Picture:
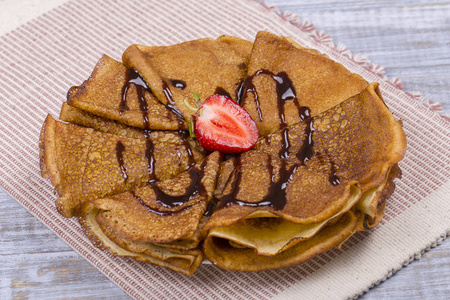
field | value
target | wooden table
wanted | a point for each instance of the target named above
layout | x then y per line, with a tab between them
411	39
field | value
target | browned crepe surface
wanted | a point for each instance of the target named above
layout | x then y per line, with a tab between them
109	93
144	215
83	163
225	256
185	262
359	138
354	143
319	83
309	196
204	67
77	116
322	169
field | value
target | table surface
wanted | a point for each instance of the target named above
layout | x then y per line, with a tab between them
411	39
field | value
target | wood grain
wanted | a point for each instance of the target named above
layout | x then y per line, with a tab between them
409	38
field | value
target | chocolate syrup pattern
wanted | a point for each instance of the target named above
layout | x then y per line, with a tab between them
284	88
306	150
133	77
285	144
120	148
179	84
196	187
150	160
211	207
149	149
285	91
160	213
184	134
221	91
333	178
169	96
276	197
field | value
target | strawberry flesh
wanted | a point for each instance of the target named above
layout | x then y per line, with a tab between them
223	125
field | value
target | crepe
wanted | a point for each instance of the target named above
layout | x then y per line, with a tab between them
223	255
185	262
373	201
142	187
308	174
284	77
205	67
162	212
79	117
115	92
83	163
355	142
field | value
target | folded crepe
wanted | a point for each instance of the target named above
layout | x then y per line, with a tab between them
225	256
322	169
162	212
359	136
309	174
115	92
205	67
373	201
183	261
283	77
83	163
77	116
159	223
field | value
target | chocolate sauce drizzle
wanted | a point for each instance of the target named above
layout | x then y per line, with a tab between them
285	144
211	207
169	96
160	213
306	150
333	178
284	88
276	197
149	154
179	84
184	134
285	91
246	87
221	91
133	77
150	160
196	187
120	148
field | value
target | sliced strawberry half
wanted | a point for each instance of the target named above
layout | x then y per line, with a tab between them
222	125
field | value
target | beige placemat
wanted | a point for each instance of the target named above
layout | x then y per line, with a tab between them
41	59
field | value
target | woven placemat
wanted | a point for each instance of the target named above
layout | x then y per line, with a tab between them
42	58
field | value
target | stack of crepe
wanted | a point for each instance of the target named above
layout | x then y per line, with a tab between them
124	165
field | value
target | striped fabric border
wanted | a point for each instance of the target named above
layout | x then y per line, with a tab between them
42	59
